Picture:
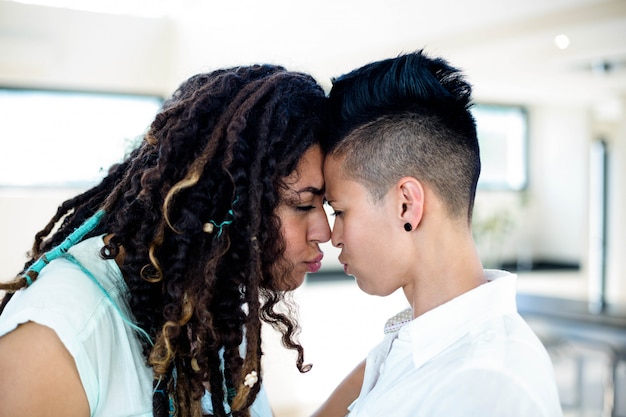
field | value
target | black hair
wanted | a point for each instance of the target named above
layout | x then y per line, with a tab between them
414	112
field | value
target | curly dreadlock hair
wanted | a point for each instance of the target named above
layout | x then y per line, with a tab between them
218	152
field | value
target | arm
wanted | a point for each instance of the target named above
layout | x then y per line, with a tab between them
346	392
38	376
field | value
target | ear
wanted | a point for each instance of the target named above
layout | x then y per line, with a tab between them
411	195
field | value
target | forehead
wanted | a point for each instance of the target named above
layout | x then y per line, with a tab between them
309	172
334	169
342	188
338	184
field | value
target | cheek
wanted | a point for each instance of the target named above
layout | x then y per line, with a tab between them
370	248
362	233
292	234
373	271
291	273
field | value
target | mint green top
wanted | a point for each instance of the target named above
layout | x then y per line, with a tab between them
91	319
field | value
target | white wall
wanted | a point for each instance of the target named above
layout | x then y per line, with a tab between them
559	148
22	214
616	268
547	220
59	48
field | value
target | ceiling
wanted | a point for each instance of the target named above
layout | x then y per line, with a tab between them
512	53
506	47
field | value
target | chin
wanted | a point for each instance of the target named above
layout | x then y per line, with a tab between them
367	289
293	282
298	282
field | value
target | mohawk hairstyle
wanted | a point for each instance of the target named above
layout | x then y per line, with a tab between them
414	105
412	83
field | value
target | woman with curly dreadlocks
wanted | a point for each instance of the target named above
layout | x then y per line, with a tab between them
145	295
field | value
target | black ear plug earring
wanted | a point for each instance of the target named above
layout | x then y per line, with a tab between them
408	227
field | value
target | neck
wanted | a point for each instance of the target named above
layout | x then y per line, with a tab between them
447	265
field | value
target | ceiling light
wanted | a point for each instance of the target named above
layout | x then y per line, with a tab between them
561	41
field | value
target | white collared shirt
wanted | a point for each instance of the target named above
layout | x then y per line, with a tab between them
472	356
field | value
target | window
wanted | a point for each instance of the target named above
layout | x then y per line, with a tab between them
68	139
502	134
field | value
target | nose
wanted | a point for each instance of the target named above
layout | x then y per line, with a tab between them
336	235
320	229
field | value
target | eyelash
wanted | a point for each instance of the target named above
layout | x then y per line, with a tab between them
305	208
336	213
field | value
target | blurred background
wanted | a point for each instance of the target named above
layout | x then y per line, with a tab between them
80	80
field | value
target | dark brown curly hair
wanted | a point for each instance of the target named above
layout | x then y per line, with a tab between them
219	150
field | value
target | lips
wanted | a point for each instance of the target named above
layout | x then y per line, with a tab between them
345	265
315	264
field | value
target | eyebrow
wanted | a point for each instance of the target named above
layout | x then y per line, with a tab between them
312	190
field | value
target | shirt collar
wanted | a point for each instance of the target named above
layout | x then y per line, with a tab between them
435	330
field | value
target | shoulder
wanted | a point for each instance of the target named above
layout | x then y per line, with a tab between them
84	306
67	289
61	296
503	357
488	391
469	391
34	360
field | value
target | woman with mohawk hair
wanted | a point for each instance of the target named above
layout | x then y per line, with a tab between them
401	173
150	296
